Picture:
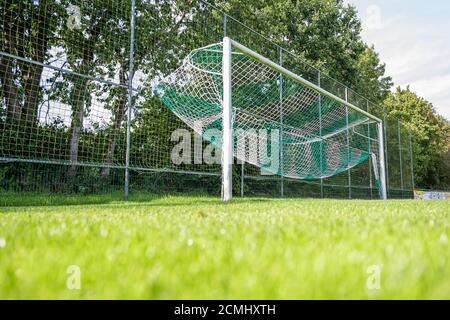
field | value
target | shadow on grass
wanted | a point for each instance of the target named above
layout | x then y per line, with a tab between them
8	200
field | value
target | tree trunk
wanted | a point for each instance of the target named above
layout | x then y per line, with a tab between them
23	29
32	89
7	73
118	117
80	96
32	73
9	88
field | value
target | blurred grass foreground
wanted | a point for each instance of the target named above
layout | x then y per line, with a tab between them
200	248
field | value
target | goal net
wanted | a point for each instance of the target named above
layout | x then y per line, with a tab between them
281	123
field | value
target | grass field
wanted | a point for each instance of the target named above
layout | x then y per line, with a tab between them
199	248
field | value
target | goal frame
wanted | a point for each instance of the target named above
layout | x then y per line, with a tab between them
227	139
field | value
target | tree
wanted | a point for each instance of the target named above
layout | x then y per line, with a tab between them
371	80
154	54
430	136
324	33
83	45
27	32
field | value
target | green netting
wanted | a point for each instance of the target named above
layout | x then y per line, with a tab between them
279	124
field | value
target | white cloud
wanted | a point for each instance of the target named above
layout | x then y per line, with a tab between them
416	52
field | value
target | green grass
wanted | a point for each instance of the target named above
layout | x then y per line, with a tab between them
199	248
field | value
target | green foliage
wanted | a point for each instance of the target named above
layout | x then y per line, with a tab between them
371	79
324	33
430	137
22	22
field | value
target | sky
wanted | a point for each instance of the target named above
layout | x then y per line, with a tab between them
413	39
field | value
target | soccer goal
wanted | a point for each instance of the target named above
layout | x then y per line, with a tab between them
270	117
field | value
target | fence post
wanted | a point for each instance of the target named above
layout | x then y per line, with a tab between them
348	148
411	159
400	155
280	50
385	128
370	151
225	25
242	178
320	133
130	97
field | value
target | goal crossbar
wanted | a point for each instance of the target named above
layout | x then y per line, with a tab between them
300	79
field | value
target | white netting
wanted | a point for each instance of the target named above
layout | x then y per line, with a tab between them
279	124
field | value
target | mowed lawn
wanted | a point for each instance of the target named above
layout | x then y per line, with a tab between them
200	248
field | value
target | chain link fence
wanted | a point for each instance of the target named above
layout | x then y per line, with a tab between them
78	115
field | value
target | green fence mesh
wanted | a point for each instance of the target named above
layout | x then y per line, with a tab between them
65	81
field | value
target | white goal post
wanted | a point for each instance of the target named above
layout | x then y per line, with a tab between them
227	112
227	149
